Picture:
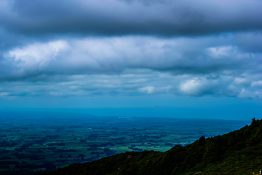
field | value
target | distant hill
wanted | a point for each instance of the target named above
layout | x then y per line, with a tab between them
235	153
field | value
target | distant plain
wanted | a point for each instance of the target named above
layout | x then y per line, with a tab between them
45	141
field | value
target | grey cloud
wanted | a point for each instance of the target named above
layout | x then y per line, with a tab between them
250	42
114	55
119	17
213	65
136	82
205	55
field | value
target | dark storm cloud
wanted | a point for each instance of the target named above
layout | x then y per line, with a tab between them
118	17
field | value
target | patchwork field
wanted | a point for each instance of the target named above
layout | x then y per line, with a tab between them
46	142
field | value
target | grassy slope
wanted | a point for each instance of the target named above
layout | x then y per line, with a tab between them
239	153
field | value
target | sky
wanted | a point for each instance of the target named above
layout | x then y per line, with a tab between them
179	58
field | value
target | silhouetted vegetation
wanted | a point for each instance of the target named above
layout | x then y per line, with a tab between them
236	153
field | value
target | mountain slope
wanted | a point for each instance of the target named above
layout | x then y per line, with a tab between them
238	152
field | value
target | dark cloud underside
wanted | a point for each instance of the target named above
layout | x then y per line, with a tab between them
116	17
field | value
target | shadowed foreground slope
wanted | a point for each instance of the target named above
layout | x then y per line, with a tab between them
235	153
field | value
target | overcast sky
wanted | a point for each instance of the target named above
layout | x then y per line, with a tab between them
166	51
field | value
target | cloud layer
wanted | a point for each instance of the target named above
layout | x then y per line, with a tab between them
131	47
190	66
